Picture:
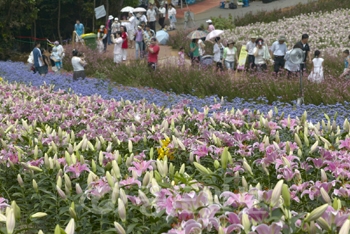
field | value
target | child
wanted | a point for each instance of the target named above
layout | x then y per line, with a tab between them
346	72
317	71
181	60
56	58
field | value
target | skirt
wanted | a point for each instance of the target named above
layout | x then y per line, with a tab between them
79	74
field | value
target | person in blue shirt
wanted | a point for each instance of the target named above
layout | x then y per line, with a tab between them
38	59
79	29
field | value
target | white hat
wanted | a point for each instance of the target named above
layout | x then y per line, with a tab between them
110	17
102	26
131	12
115	19
209	21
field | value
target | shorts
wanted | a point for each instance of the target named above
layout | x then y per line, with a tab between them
118	58
79	74
40	70
152	66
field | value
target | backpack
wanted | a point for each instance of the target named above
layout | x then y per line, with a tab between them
232	6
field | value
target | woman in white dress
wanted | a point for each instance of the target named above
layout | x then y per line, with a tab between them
172	16
317	71
118	41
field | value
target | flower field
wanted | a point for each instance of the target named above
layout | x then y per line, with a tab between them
328	31
91	164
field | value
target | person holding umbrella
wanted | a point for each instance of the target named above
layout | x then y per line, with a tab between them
194	51
217	54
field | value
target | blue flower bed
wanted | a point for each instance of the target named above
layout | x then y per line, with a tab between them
18	72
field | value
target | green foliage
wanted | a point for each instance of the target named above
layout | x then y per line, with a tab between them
224	23
276	14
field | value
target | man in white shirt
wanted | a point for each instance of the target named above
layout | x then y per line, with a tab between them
152	17
132	29
60	51
250	49
279	50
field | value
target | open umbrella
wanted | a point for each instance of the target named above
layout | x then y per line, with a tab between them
197	34
140	9
162	37
127	9
213	34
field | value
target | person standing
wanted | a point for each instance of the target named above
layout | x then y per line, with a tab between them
60	51
217	54
250	49
46	62
118	41
38	59
303	44
288	65
279	50
230	55
139	43
109	29
346	72
259	52
172	16
316	74
152	17
161	17
125	42
78	63
79	30
210	25
102	37
194	51
115	26
153	51
131	29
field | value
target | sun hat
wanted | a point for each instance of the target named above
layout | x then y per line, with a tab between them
102	26
110	17
56	43
115	19
230	41
209	21
253	36
282	38
131	12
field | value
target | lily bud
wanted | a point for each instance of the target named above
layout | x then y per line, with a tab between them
325	196
20	181
287	147
38	215
151	153
130	146
171	169
216	164
110	179
119	228
312	228
323	224
297	140
10	221
78	189
337	204
121	210
246	223
16	210
276	193
123	196
70	229
182	169
35	186
224	158
221	230
201	168
40	232
67	182
345	227
61	193
247	167
146	179
300	153
115	193
314	147
286	195
93	166
144	198
316	213
59	181
72	213
36	152
244	184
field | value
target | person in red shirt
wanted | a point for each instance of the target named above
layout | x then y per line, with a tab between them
153	51
125	42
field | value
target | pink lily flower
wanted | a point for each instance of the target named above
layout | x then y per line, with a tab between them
130	181
77	169
141	167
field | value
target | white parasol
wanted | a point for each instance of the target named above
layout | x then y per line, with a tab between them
127	9
140	9
213	34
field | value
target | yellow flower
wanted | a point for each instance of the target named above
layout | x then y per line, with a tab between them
1	79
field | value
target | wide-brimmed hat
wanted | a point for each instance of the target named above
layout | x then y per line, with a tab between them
253	36
131	12
56	43
110	17
230	41
115	19
282	38
102	26
209	21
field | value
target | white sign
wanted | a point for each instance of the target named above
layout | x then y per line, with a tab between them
100	12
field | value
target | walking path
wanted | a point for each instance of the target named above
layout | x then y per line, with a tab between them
206	9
